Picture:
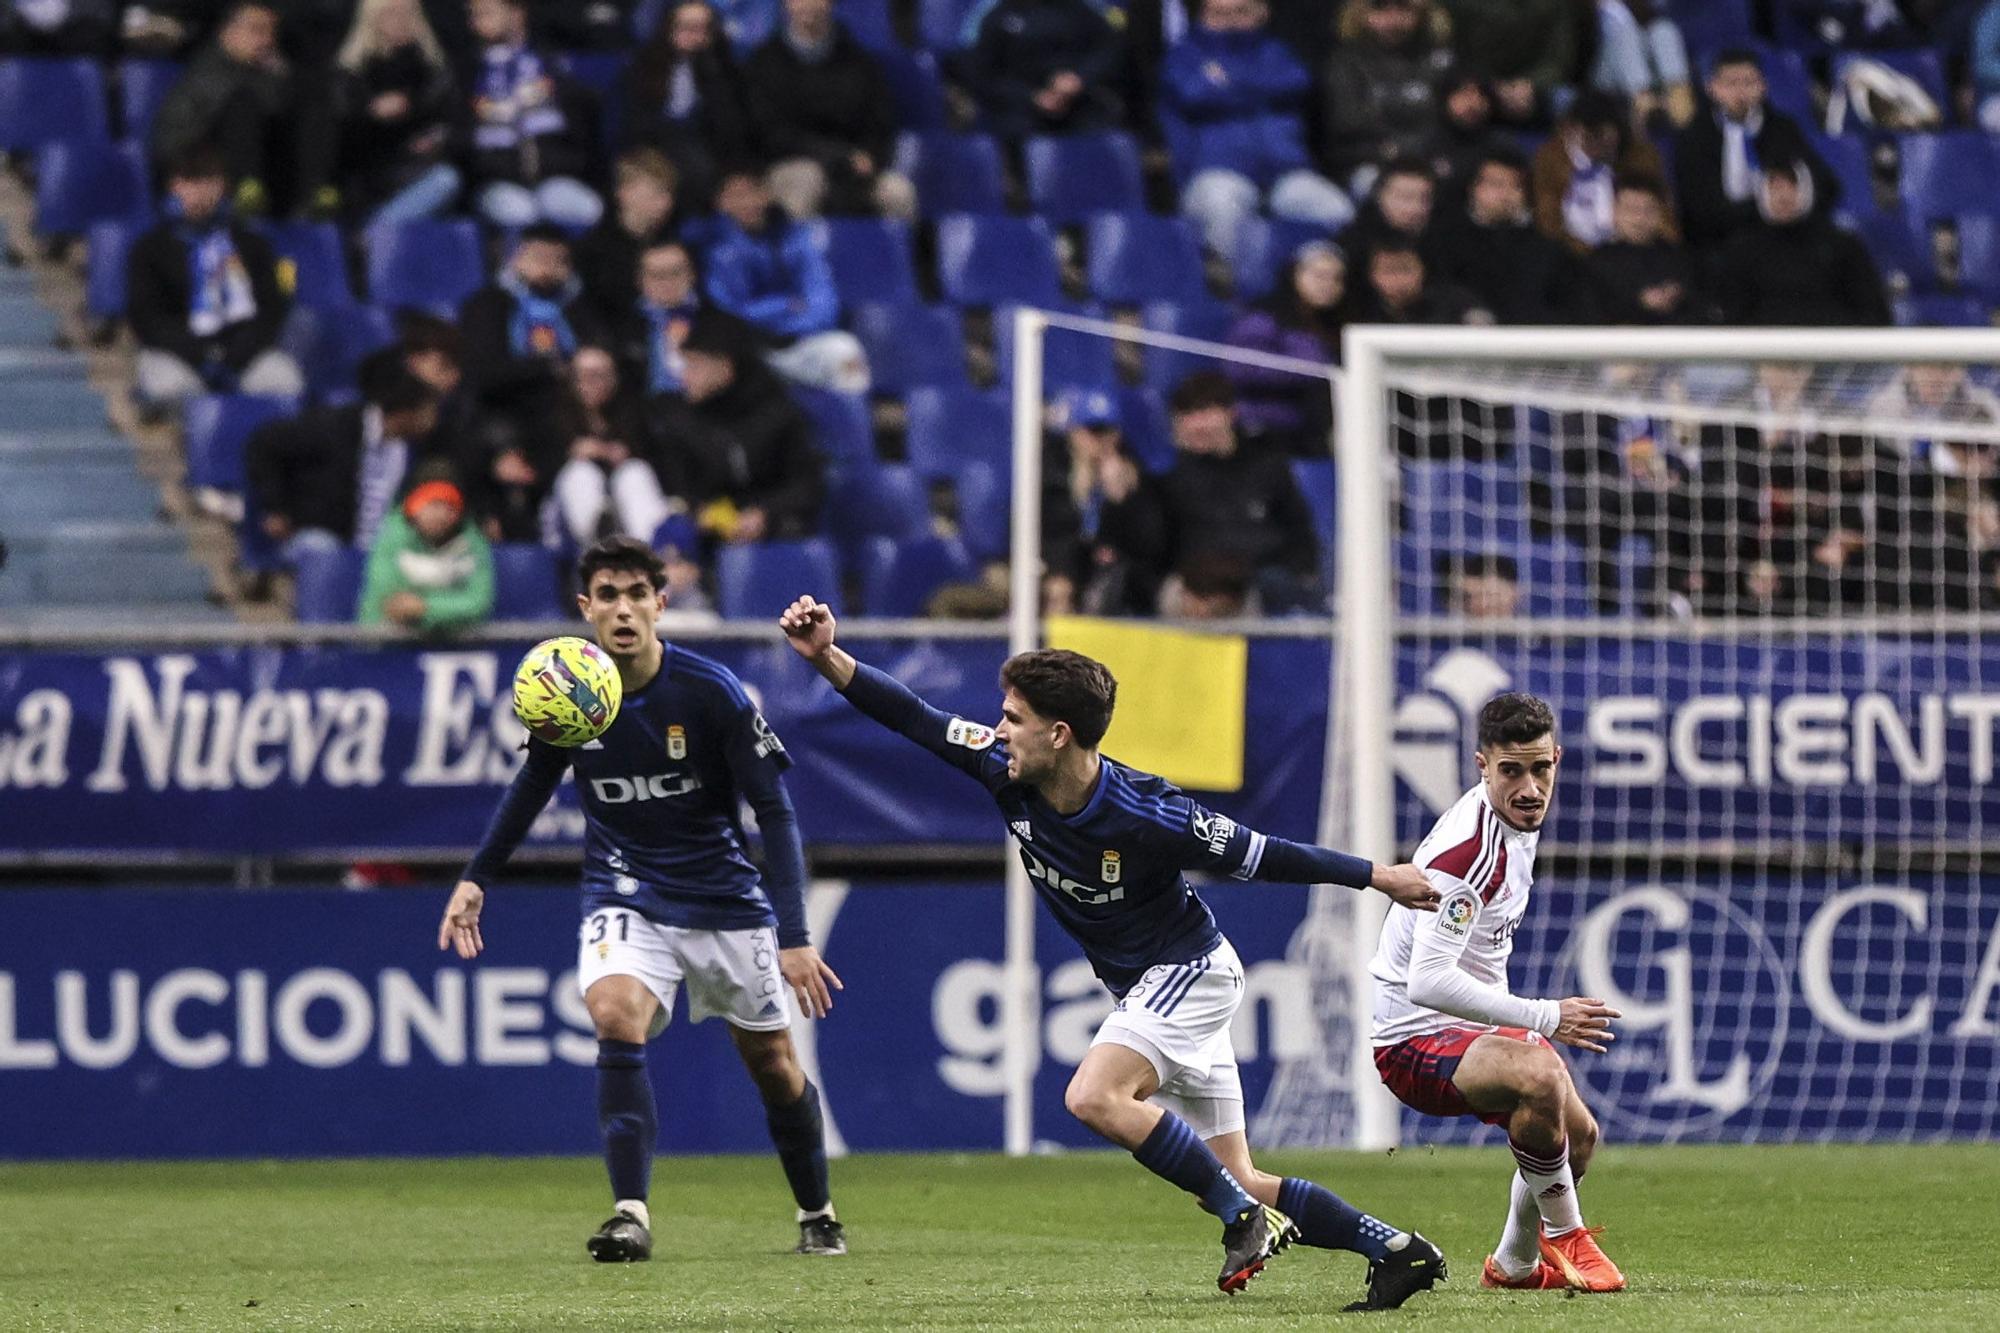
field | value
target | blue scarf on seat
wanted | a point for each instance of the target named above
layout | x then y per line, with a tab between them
538	326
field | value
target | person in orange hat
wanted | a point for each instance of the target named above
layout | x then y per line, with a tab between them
429	569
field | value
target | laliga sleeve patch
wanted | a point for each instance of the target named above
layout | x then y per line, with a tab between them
971	735
1454	918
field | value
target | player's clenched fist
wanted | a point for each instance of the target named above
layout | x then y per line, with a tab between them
809	626
1407	885
1586	1024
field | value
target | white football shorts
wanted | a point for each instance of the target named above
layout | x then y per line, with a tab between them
732	974
1178	1016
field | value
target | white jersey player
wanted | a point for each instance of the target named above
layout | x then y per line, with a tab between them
1451	1039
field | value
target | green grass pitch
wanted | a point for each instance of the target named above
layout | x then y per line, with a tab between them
1752	1238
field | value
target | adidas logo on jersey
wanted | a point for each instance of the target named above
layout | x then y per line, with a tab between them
770	1010
1023	830
592	744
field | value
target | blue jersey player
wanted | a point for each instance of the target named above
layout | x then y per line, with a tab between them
1106	848
670	896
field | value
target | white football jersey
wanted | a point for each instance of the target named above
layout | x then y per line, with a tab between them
1483	869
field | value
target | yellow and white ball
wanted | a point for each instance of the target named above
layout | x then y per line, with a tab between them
567	691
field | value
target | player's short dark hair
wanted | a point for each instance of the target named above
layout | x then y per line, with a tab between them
620	555
1514	719
1065	687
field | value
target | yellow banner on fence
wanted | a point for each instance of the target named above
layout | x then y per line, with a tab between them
1180	697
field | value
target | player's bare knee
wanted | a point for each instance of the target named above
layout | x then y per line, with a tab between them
1583	1136
1542	1083
618	1017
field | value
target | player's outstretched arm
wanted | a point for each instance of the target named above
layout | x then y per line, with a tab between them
1247	854
460	927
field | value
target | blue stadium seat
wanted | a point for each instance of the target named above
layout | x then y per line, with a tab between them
108	244
985	508
51	101
949	428
1943	312
757	580
330	346
431	265
1788	82
1847	157
1070	359
1979	254
870	259
1901	253
317	262
217	426
916	93
77	184
1315	480
526	582
910	345
1464	506
953	173
1137	257
329	585
871	22
1071	176
1147	428
1948	174
989	260
877	500
1919	63
1709	25
1264	247
941	23
898	578
1208	319
603	74
842	427
142	86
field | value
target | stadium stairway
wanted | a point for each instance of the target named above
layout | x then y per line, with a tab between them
87	540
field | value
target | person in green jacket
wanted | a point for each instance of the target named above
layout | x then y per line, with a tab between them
429	569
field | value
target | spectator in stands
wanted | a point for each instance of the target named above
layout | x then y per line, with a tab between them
1399	209
396	101
1794	267
687	98
1945	532
530	134
658	322
1984	66
1640	276
58	27
736	445
1104	525
1630	477
1465	134
1234	95
1481	586
520	333
238	94
1574	172
327	478
1494	251
607	256
1397	290
434	350
428	569
204	298
821	108
1528	49
1211	585
768	270
1223	499
1716	158
1289	412
1045	67
1381	101
608	485
1642	58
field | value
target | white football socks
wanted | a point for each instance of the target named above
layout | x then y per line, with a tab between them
636	1210
826	1212
1554	1188
1520	1241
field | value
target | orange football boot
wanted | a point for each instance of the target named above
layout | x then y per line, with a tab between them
1583	1265
1545	1277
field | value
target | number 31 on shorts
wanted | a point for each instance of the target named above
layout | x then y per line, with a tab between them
598	925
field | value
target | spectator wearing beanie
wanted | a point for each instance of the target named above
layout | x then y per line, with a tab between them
428	569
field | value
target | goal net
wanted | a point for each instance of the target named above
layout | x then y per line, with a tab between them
1755	574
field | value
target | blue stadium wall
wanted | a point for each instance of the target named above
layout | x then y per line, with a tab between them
1767	1001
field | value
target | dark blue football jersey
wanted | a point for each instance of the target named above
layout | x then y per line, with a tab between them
661	793
1112	873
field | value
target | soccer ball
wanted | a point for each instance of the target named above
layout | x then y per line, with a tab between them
566	691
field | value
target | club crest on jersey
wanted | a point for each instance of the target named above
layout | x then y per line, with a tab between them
1455	917
1111	868
677	742
971	735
